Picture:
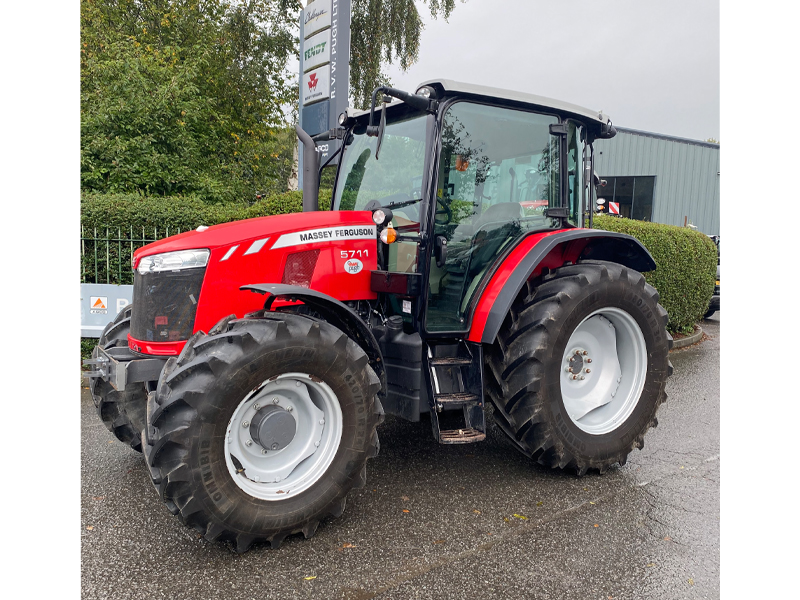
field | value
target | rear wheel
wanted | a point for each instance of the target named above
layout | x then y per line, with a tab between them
261	428
122	412
579	367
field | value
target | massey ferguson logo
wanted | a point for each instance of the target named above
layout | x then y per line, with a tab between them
353	266
312	82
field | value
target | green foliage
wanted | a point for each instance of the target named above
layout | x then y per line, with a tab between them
181	213
686	266
113	226
182	97
384	31
87	345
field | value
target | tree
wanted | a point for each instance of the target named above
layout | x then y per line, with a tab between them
384	31
186	96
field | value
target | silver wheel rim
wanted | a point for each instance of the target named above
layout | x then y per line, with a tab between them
280	474
603	370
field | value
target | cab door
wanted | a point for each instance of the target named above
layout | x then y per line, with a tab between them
499	170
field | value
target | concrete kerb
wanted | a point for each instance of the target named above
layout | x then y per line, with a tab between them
689	340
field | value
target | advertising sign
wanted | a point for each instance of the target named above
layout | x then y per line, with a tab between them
316	85
317	50
316	17
100	303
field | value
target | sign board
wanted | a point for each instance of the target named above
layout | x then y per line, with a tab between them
324	70
317	51
613	208
316	17
100	303
316	85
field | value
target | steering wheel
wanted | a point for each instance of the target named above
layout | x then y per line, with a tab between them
447	210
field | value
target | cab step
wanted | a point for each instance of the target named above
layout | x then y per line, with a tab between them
454	375
455	399
461	436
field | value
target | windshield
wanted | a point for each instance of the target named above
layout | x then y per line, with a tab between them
394	180
397	174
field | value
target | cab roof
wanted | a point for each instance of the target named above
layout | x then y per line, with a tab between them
458	88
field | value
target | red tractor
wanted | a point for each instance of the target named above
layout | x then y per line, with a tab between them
454	269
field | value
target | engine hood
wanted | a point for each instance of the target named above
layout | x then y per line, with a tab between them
266	232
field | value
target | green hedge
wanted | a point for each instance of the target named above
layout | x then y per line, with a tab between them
686	266
180	212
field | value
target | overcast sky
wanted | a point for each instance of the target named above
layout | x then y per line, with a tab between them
649	65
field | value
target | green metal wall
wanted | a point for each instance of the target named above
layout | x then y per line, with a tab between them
686	172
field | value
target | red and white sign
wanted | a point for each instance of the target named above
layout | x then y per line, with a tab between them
316	85
613	208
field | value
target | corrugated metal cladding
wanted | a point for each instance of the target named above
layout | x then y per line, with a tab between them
686	172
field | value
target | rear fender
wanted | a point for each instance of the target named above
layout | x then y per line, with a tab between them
549	250
332	311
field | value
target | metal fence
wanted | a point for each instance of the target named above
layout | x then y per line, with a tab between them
106	252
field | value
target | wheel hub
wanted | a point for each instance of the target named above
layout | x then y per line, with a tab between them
604	367
273	427
283	436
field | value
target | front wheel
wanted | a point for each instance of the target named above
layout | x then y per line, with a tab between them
261	428
579	367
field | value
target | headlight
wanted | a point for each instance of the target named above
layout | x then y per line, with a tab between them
173	261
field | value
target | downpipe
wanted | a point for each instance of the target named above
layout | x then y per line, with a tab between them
310	171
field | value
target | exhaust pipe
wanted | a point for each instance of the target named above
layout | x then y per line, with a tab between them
310	171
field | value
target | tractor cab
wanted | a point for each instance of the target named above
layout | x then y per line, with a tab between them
464	179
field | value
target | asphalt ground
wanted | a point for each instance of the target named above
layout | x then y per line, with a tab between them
474	521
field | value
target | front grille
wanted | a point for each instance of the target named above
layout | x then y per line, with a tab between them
165	304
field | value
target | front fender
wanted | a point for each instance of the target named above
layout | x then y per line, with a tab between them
332	311
548	250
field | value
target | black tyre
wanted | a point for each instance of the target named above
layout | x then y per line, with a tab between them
232	411
122	412
602	321
709	313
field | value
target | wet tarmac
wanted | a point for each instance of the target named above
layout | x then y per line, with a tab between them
474	521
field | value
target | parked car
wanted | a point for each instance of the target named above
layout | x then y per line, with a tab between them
714	305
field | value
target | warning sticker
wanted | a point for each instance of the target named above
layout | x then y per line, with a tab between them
98	305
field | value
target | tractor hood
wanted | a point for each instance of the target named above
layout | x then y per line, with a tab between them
263	233
331	252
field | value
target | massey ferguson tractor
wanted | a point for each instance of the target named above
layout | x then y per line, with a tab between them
457	267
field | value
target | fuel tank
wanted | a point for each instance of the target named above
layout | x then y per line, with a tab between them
331	252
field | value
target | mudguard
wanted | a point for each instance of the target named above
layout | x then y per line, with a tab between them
548	250
332	311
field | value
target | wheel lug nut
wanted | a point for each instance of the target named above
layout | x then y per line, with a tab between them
289	408
274	400
588	370
263	451
275	446
582	377
585	353
569	370
245	423
574	376
256	406
248	443
588	360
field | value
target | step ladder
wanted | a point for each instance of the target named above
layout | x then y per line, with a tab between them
455	378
